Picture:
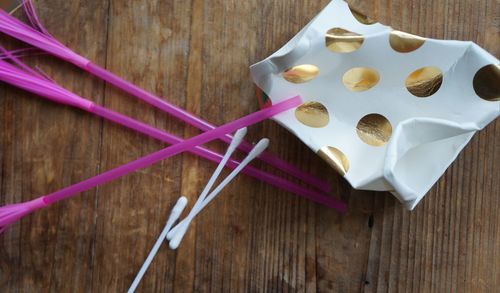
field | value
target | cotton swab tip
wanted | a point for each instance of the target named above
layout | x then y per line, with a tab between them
174	215
179	206
237	139
173	231
259	148
179	234
240	133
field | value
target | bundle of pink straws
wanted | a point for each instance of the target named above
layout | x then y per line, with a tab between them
16	73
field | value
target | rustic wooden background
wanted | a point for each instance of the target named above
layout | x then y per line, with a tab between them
254	237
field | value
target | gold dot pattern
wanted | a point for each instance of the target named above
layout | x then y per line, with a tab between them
487	82
374	129
360	79
361	17
424	82
335	158
313	114
363	73
301	73
404	43
340	40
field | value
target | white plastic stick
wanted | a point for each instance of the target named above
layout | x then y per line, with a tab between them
174	215
235	142
180	229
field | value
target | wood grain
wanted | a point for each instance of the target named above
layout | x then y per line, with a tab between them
254	238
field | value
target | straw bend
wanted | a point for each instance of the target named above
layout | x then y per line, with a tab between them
14	76
23	32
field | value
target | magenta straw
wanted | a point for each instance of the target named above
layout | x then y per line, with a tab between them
32	81
43	40
11	213
172	150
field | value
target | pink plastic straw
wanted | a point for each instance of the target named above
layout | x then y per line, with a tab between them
36	83
11	213
172	150
44	41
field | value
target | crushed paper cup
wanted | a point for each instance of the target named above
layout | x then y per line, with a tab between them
390	111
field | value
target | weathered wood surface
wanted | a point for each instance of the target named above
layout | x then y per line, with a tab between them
255	237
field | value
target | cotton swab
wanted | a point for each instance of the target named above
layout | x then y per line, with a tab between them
11	213
237	138
174	215
36	83
176	211
178	232
43	40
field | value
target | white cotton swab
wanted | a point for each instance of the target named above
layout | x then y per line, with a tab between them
180	230
174	215
235	142
182	202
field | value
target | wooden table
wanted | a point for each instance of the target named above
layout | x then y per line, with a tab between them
254	237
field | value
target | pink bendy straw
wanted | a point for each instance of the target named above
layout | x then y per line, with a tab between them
41	39
12	213
26	78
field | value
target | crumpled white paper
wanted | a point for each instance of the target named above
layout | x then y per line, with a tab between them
379	125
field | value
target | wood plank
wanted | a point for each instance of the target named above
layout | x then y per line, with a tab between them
147	45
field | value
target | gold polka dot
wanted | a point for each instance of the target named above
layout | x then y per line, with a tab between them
340	40
487	82
374	129
301	73
312	114
425	81
404	43
360	79
335	158
361	17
